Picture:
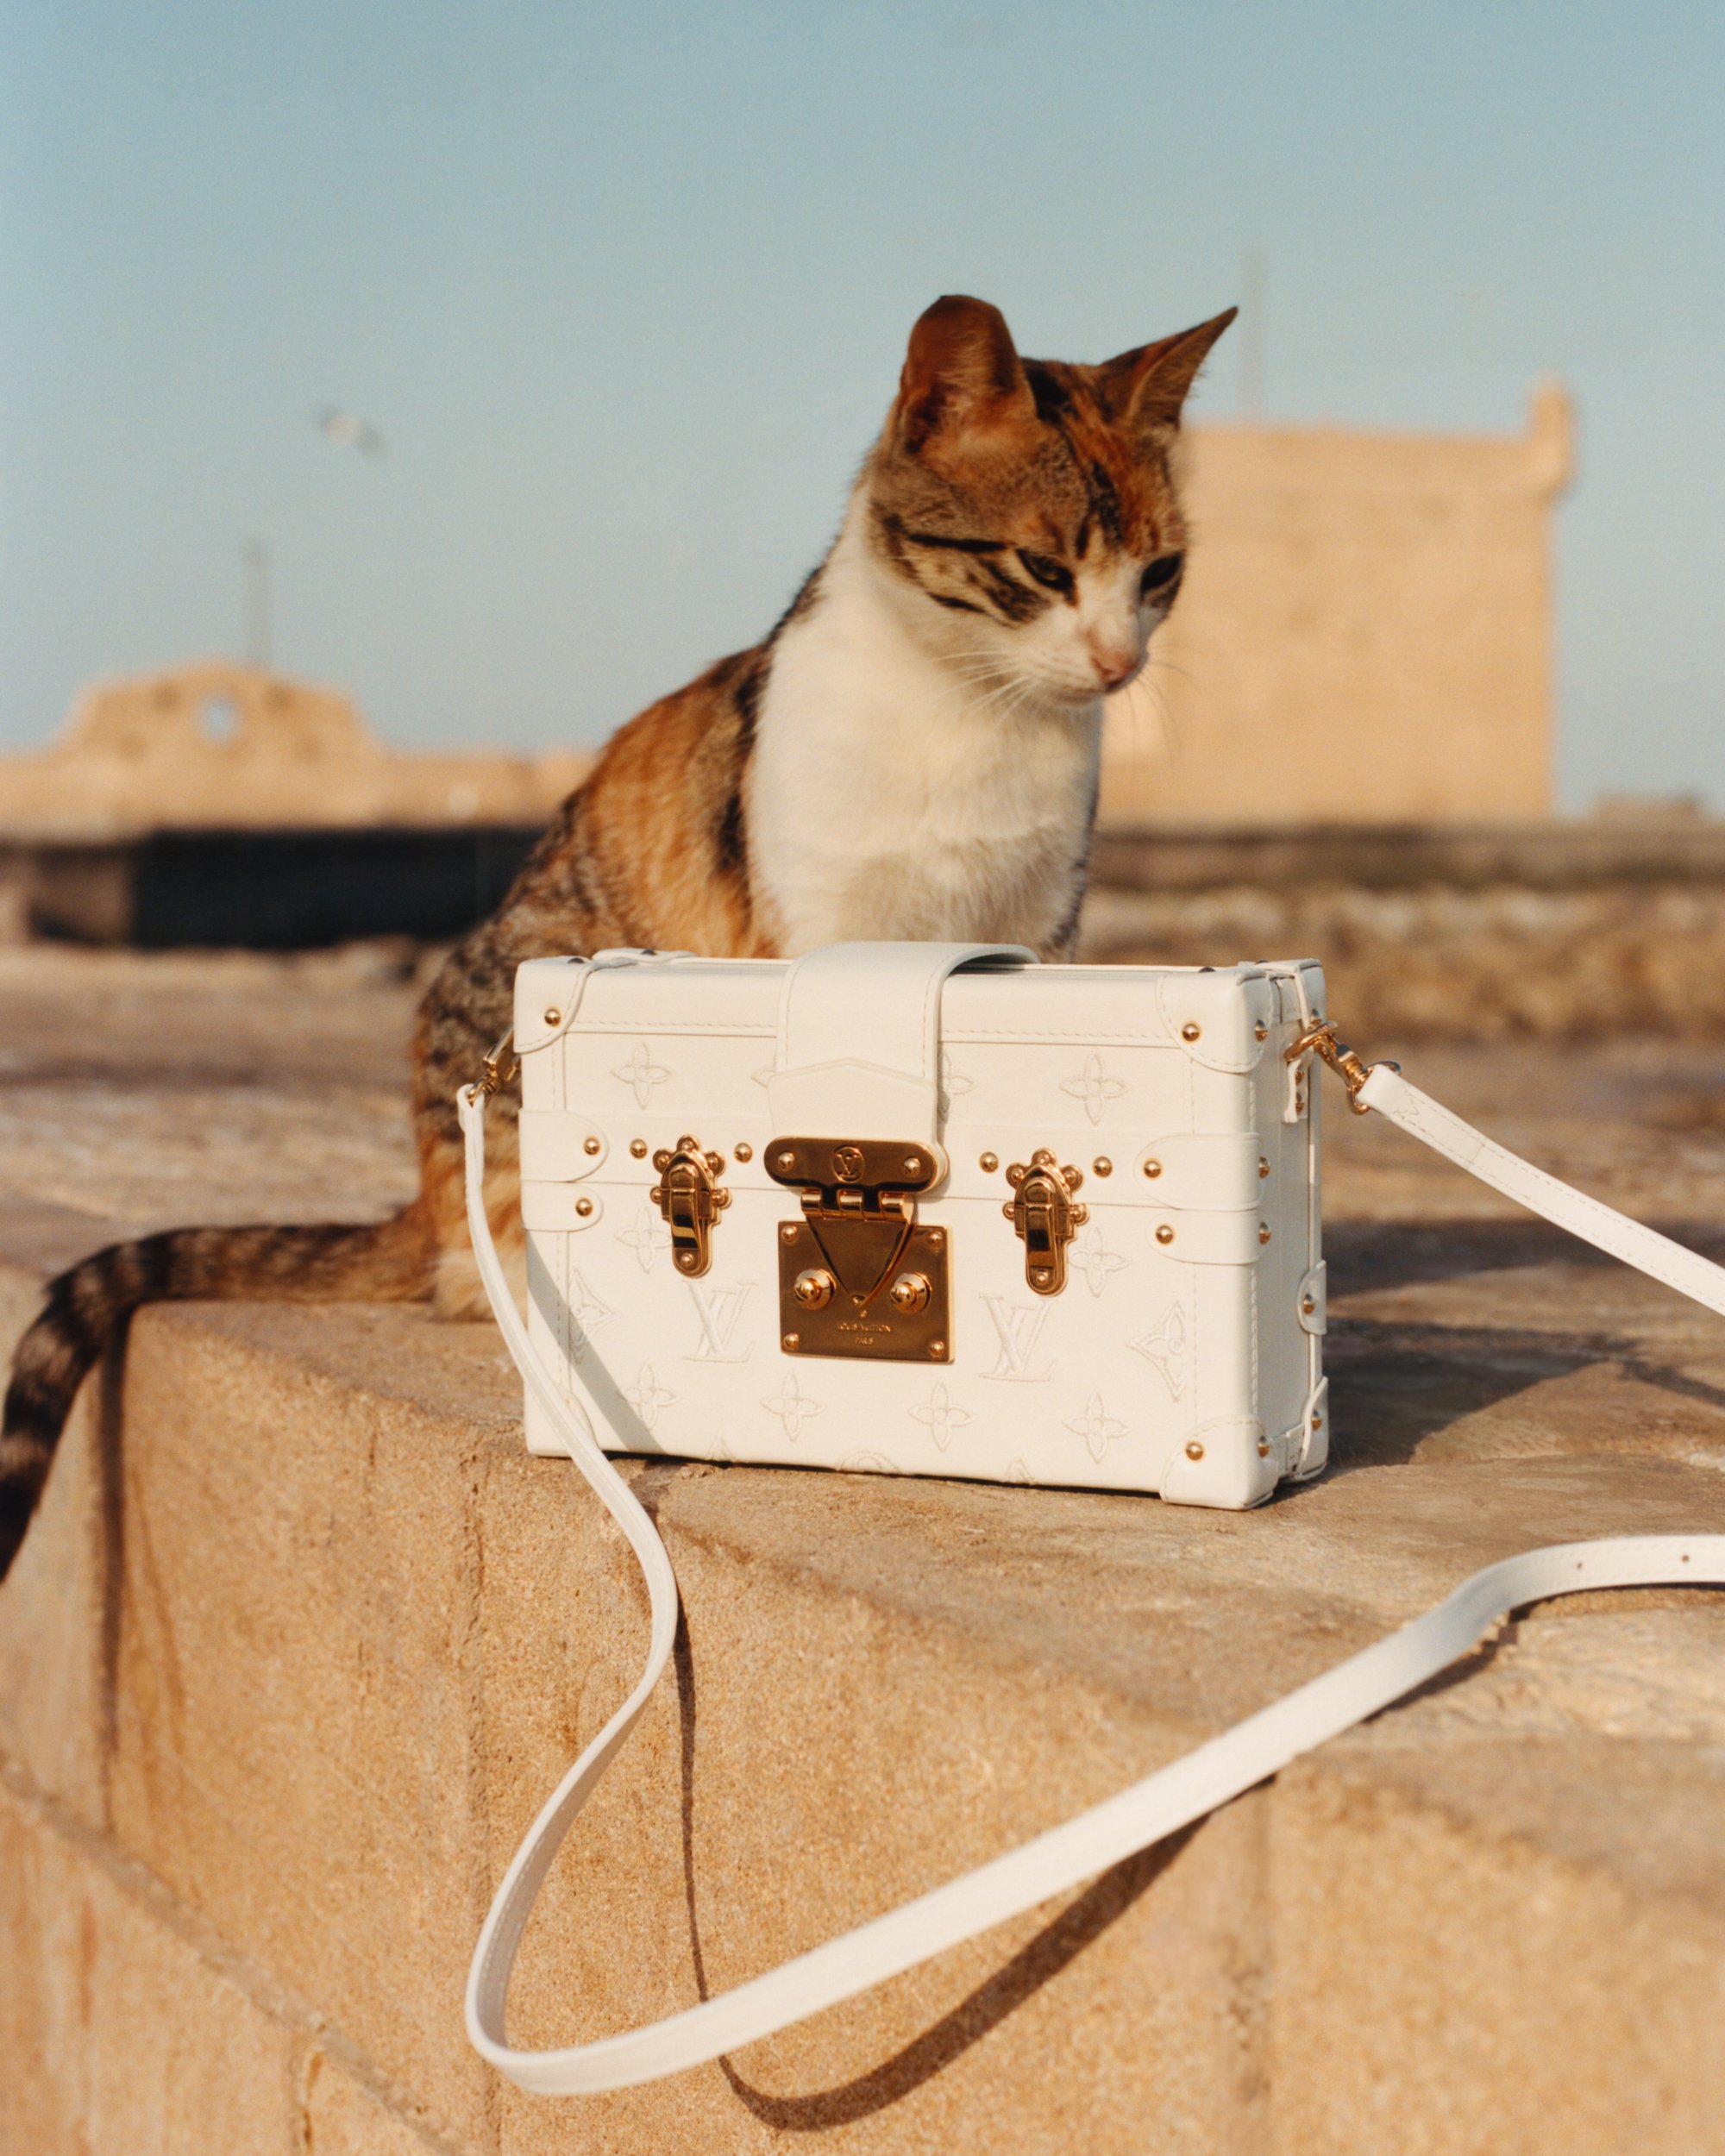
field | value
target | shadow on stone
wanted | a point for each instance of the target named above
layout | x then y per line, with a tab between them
1058	1943
1380	1254
1396	1386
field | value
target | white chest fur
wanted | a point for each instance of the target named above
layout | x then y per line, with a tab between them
893	797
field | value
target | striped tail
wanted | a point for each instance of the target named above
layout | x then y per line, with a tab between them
88	1308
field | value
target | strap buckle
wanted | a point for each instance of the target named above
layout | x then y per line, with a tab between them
1322	1040
499	1067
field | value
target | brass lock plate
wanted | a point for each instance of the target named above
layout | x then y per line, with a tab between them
858	1276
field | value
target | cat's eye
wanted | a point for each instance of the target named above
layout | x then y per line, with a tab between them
1047	572
1161	573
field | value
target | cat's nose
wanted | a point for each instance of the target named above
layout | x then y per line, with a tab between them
1114	667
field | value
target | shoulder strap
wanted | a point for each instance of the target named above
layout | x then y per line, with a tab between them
1066	1855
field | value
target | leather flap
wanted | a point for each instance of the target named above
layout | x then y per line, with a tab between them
1220	1465
859	1037
852	1099
555	1208
1217	1017
1197	1172
1207	1239
555	1145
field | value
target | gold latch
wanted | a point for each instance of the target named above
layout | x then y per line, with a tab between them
690	1201
857	1276
1045	1217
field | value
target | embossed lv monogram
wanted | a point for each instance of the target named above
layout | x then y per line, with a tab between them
720	1311
1020	1326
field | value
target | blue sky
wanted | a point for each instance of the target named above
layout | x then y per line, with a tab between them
625	288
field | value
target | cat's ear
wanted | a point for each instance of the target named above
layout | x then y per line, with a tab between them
1148	387
962	376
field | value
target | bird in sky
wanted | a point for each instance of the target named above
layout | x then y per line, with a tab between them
348	431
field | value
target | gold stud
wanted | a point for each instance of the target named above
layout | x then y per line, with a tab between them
788	1232
554	1016
1164	1233
937	1238
1261	1032
1191	1031
787	1160
1263	1169
936	1348
637	1147
912	1163
814	1289
909	1293
591	1145
1152	1168
743	1150
584	1206
988	1163
1264	1231
1194	1451
1317	1418
792	1342
1263	1448
1308	1304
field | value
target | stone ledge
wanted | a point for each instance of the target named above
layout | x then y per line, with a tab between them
304	1635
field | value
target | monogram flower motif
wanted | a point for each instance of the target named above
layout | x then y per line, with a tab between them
940	1415
792	1406
1096	1426
1164	1346
649	1234
1091	1255
953	1083
587	1313
647	1396
1094	1087
640	1072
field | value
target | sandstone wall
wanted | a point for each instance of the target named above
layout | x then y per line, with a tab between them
1365	632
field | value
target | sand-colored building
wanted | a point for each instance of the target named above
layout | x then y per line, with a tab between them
1364	634
221	745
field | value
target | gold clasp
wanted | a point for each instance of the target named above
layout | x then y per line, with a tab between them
1320	1040
494	1072
689	1201
1044	1218
857	1275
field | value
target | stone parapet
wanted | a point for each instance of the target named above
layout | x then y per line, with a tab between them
302	1638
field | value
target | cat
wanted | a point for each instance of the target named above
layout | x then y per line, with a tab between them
912	752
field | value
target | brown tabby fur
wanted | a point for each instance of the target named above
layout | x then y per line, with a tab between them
984	459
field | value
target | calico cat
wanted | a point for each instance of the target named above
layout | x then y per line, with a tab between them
912	752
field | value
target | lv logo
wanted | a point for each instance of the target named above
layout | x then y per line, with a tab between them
720	1311
1019	1326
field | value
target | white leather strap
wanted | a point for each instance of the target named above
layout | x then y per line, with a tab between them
1416	1113
1146	1812
887	997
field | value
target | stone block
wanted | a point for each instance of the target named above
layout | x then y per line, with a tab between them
1442	1990
119	2038
340	2118
57	1606
294	1683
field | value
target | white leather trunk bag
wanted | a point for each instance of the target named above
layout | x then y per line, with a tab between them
929	1209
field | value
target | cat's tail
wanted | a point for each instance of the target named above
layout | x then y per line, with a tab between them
88	1308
